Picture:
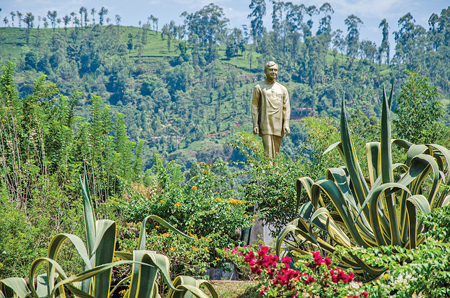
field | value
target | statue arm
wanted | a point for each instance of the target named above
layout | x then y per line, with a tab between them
286	113
256	99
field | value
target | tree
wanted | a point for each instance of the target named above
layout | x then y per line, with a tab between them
352	22
102	13
66	21
83	11
52	17
325	22
418	110
5	20
19	15
29	20
206	26
368	50
93	11
118	19
258	12
384	48
13	15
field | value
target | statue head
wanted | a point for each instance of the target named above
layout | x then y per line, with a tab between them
271	70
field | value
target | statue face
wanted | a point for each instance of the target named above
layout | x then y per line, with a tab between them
272	72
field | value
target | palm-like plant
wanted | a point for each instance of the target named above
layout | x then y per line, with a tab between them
375	210
98	256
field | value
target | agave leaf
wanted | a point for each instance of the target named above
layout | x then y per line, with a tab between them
414	203
186	284
386	169
415	150
104	254
335	195
89	218
446	201
335	233
42	285
143	277
369	269
358	181
53	251
306	182
56	267
402	143
373	154
123	255
89	222
143	233
67	281
14	286
376	195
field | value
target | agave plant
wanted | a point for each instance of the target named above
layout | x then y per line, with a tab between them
370	211
98	255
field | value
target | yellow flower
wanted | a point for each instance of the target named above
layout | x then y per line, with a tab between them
190	234
207	250
253	220
187	252
228	208
162	201
194	188
386	275
178	204
172	248
194	248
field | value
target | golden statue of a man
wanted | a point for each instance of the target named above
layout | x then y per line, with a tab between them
271	110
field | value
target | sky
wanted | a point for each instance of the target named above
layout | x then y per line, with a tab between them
132	11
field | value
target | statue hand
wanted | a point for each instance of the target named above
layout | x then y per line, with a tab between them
287	130
256	130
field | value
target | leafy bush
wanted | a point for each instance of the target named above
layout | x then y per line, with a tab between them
424	270
186	256
199	206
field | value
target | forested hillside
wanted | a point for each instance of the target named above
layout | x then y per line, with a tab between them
185	89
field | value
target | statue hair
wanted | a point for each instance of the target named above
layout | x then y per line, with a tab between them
270	64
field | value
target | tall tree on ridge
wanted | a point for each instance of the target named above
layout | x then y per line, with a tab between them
52	17
13	15
19	15
66	21
93	11
29	20
384	48
118	19
352	22
102	13
258	12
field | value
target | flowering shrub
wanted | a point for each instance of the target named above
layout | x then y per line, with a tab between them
186	256
317	277
198	205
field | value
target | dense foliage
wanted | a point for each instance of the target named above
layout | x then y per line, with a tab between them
185	88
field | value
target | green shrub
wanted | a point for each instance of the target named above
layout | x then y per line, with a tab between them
200	206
